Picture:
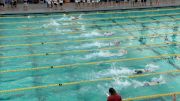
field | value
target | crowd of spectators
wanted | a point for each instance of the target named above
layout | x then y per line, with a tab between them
85	3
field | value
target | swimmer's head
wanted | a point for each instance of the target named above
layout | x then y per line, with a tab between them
146	84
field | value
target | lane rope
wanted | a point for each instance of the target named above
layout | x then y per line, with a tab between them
68	26
84	40
84	51
84	81
88	63
52	34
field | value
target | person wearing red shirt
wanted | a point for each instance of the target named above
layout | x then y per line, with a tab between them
113	95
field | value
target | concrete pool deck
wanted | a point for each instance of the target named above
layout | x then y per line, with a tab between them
70	7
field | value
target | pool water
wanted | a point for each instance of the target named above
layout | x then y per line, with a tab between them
85	53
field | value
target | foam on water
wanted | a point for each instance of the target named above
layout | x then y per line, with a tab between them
29	16
120	84
152	67
52	23
104	54
137	83
64	18
90	45
91	34
83	27
161	79
113	71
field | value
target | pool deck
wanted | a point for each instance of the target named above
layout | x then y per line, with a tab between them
70	7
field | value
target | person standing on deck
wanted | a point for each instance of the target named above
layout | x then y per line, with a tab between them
113	95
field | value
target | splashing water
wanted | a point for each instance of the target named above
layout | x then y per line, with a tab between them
89	45
114	71
64	18
82	27
160	79
29	17
91	34
52	23
151	67
98	54
137	83
122	83
104	54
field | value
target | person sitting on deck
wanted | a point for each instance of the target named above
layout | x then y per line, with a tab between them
113	95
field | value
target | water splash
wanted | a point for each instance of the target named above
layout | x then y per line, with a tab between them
105	54
120	84
113	71
29	16
52	23
161	79
91	34
137	83
151	67
90	45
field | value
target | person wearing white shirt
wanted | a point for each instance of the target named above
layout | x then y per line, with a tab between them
55	2
77	3
49	3
61	3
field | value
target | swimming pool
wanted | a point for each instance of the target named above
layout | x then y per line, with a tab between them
79	56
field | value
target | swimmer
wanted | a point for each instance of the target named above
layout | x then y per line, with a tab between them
117	42
153	82
120	53
123	51
153	37
148	68
140	71
142	40
29	17
74	18
166	39
108	34
177	57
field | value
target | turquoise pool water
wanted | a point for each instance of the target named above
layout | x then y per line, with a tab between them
88	52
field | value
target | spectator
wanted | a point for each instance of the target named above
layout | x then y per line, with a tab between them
2	3
88	2
113	95
13	3
61	3
157	2
77	3
49	3
55	2
151	3
25	5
